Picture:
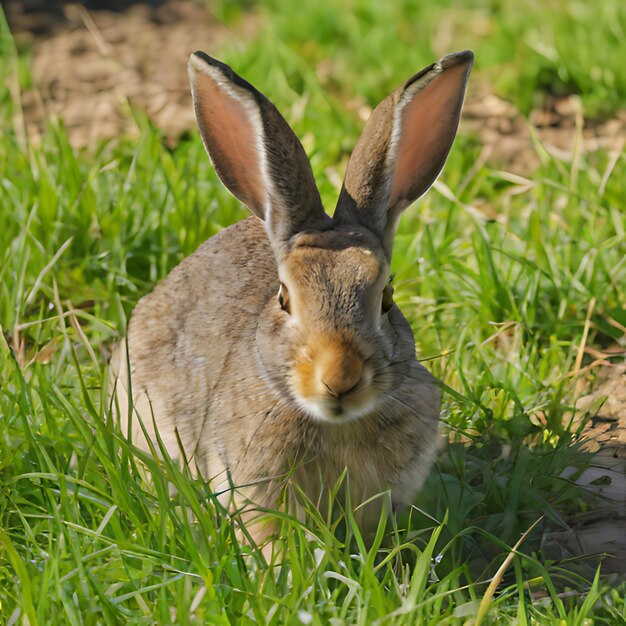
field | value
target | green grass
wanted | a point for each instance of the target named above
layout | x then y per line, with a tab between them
89	533
524	49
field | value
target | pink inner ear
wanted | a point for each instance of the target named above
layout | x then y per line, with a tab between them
232	140
429	124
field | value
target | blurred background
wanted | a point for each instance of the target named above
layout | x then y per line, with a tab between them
540	65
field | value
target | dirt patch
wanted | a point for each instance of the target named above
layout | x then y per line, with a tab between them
606	429
600	530
91	63
559	127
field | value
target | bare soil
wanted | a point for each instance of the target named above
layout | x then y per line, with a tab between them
559	126
89	63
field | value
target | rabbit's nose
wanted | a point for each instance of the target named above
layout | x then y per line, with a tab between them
341	371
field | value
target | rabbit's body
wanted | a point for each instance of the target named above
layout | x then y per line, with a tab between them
266	434
275	349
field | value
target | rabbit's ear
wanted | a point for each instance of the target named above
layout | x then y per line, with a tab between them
254	151
404	146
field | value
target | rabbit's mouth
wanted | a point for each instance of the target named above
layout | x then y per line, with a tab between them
320	401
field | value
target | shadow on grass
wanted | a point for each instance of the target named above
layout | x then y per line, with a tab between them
492	492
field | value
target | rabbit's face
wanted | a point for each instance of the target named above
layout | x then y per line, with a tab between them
332	340
331	313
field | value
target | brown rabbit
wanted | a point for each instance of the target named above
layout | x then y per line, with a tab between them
276	349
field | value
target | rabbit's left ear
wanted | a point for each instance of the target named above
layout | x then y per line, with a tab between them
403	147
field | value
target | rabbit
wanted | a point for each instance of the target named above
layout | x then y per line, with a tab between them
275	352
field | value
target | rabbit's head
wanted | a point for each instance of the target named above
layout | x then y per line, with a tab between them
331	340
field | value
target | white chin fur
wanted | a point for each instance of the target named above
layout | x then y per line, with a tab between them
328	413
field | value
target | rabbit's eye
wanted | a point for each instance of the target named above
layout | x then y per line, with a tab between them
387	298
283	298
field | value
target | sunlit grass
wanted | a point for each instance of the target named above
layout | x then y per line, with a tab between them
364	49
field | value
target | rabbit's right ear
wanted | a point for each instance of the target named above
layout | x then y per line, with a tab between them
254	151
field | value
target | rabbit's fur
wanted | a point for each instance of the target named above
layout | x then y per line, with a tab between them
276	348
